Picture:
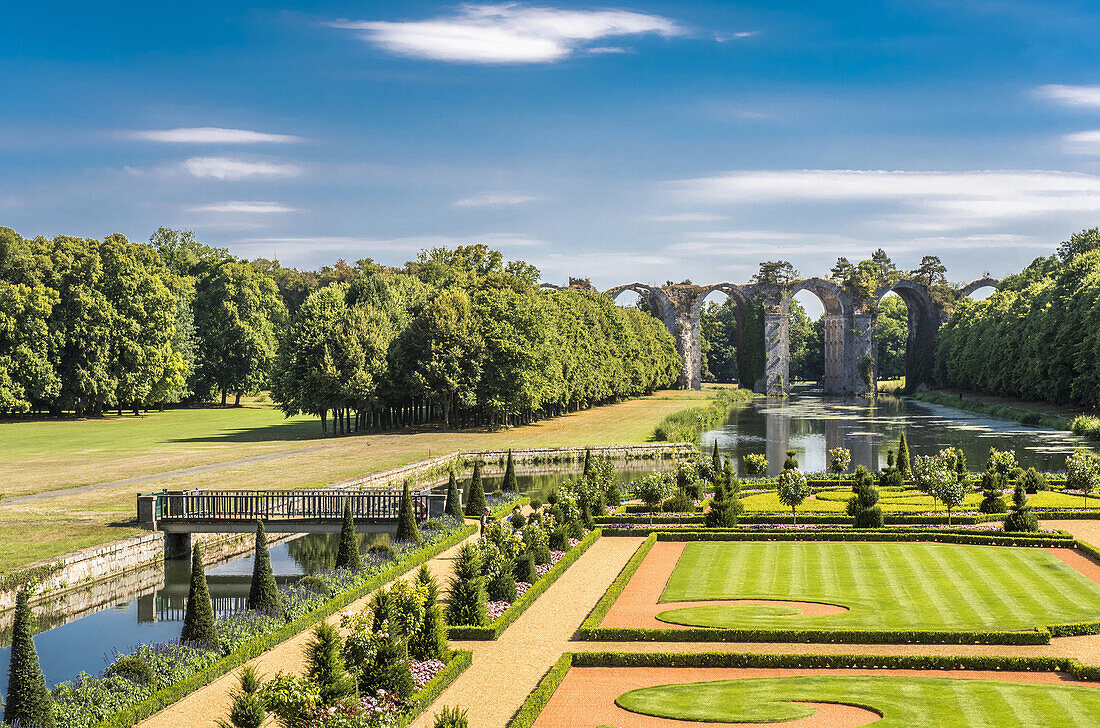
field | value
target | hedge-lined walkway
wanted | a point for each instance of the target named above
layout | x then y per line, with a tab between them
504	672
204	708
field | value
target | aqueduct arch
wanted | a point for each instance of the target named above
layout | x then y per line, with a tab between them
850	327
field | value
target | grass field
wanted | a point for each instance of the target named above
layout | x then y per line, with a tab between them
884	585
905	501
904	702
48	455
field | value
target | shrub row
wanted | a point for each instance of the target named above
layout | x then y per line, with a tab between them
518	607
603	606
993	539
459	661
253	648
1039	636
540	696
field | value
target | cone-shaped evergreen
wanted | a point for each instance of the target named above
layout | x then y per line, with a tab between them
429	642
903	458
864	504
347	556
475	503
587	460
198	620
248	709
454	500
466	589
509	485
1021	518
263	594
715	460
406	520
28	699
325	663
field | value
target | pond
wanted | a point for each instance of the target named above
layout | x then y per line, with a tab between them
812	424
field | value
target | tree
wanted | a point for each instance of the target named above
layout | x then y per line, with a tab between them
406	519
791	462
863	505
28	700
466	589
756	464
840	459
325	664
892	335
793	489
778	272
509	485
950	490
715	460
475	502
1078	244
587	460
27	376
454	498
992	492
238	314
930	272
198	619
249	709
928	472
1083	472
654	489
348	556
903	457
263	594
429	642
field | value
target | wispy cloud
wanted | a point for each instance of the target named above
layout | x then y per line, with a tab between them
764	243
727	37
1071	95
1083	142
228	168
507	33
925	200
211	135
686	217
301	247
490	199
240	206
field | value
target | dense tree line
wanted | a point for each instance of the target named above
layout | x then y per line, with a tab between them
88	326
461	336
1036	337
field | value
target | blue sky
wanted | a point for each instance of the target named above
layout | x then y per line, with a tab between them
636	141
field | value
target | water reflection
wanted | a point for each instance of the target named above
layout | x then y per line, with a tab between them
812	424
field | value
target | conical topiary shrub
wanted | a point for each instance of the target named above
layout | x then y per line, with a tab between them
466	589
715	460
475	503
263	594
509	485
406	520
903	458
454	499
325	664
28	701
1021	519
347	556
198	620
429	642
587	460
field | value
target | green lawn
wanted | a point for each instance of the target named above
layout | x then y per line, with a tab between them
884	585
904	702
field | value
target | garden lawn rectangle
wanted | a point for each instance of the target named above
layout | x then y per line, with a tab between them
885	586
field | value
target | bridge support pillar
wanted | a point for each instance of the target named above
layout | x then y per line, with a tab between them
859	354
177	546
777	360
835	382
687	332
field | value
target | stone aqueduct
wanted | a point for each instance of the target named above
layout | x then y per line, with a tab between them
850	327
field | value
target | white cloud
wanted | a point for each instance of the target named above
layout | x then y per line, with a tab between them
765	243
1083	142
211	135
240	206
489	199
507	33
926	200
1071	95
227	168
606	50
726	37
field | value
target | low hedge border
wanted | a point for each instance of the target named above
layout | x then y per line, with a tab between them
459	661
890	519
518	607
592	631
529	712
167	696
876	535
540	696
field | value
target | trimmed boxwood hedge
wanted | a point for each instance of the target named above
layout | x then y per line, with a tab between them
253	648
424	697
540	696
890	519
591	630
518	607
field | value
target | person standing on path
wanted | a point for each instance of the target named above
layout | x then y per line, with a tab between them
484	519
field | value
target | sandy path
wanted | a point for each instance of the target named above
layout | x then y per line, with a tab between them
203	708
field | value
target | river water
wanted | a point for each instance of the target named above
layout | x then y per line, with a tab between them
812	424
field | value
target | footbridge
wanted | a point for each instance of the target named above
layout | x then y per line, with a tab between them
184	512
851	348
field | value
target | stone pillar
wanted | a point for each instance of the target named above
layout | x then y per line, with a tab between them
177	546
859	347
777	363
834	354
688	337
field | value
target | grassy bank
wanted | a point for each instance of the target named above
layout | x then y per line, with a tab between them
687	424
1027	415
47	455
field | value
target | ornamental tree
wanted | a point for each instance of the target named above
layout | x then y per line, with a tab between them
1001	462
466	589
903	457
454	498
198	619
949	489
475	502
1083	472
28	701
1021	518
263	593
793	489
755	463
654	489
406	519
347	555
509	484
840	459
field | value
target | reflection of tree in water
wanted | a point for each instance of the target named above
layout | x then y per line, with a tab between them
316	552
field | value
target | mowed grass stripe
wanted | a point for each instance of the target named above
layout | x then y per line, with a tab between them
888	586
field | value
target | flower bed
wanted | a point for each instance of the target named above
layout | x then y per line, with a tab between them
116	701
